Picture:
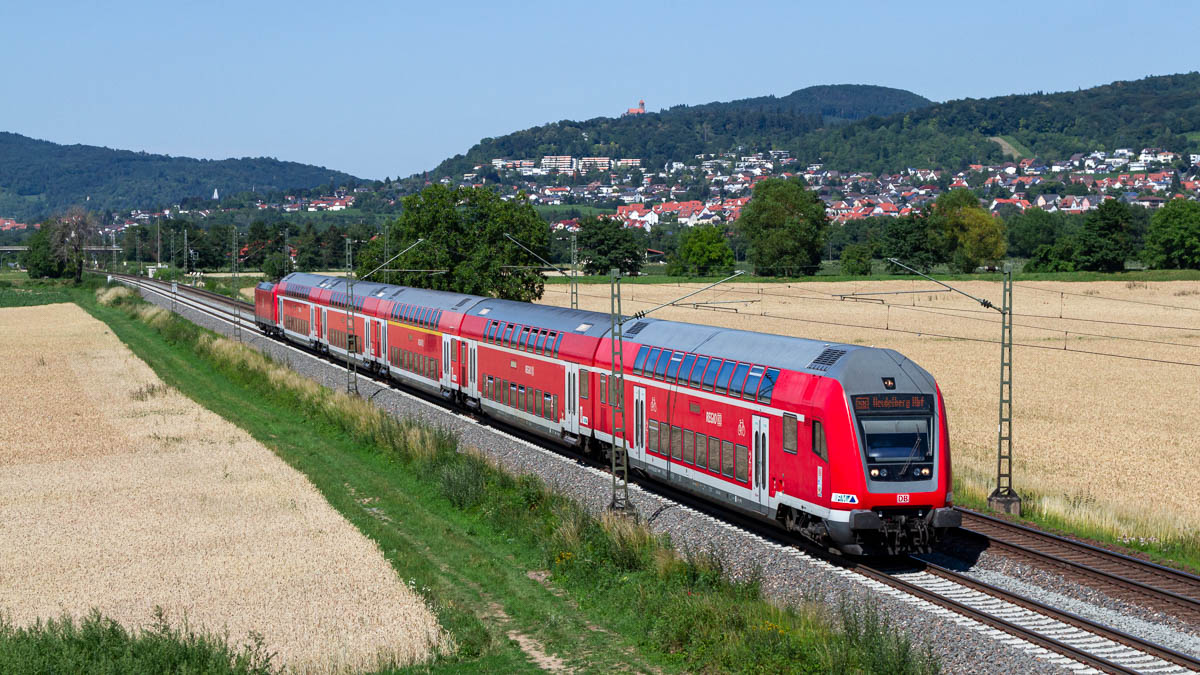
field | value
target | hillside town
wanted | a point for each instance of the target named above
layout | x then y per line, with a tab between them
721	184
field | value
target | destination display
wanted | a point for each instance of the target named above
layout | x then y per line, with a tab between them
892	403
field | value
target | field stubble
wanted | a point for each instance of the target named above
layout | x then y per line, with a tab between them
1101	441
118	493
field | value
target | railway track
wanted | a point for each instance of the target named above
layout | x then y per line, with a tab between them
1168	590
1074	637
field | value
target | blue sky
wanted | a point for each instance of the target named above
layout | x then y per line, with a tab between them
390	88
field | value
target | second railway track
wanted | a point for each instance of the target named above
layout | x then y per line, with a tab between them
1077	638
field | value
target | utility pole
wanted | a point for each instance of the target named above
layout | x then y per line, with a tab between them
351	337
237	324
158	255
1004	498
287	258
616	400
185	252
574	271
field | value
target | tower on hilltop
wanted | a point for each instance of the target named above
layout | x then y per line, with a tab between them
640	110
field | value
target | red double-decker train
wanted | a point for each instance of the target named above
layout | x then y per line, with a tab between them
845	444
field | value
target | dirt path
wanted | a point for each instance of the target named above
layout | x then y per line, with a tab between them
1006	147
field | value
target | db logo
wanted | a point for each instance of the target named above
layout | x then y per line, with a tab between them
901	499
653	405
741	427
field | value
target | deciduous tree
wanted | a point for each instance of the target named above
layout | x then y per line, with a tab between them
464	230
604	244
1105	243
69	234
786	226
703	251
1174	238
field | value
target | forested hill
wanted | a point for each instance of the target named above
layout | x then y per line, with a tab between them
1161	112
680	132
38	178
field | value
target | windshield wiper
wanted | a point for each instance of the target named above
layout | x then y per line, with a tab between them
911	455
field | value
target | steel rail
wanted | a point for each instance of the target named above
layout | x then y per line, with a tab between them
1004	534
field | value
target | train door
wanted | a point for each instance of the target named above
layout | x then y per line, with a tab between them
639	422
311	324
445	374
376	337
464	374
762	446
317	321
281	322
472	370
571	399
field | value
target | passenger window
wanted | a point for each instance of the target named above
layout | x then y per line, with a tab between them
689	446
698	371
583	384
541	343
739	378
727	458
723	379
507	334
537	402
554	409
752	381
651	359
685	368
603	389
710	374
664	360
641	360
676	442
524	337
701	451
743	463
818	441
557	343
768	385
652	441
789	433
673	366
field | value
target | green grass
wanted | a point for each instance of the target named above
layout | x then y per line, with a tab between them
96	644
1192	135
563	211
17	290
468	536
1018	146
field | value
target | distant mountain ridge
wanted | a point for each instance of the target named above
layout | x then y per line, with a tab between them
1159	111
682	131
39	178
877	129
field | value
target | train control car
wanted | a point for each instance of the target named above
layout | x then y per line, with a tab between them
844	444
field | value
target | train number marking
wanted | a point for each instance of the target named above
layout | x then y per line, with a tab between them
901	499
528	370
712	418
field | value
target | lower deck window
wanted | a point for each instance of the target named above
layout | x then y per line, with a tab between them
727	458
652	439
702	451
689	446
676	443
714	455
743	462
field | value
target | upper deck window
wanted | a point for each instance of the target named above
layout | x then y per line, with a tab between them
768	385
673	366
641	359
664	360
723	378
710	374
698	371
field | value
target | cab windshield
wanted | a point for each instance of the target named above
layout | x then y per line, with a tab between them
898	449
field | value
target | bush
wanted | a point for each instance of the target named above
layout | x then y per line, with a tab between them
856	260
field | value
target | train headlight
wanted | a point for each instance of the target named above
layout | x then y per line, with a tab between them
925	471
874	473
883	472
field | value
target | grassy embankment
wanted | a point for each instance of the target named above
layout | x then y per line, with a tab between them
512	569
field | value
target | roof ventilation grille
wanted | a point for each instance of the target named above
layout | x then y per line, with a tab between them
637	328
461	303
826	359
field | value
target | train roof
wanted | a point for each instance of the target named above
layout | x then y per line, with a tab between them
562	319
856	366
458	302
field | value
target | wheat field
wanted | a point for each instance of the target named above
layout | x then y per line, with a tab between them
1098	440
119	493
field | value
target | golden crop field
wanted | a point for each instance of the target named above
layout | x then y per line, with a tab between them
121	494
1100	440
